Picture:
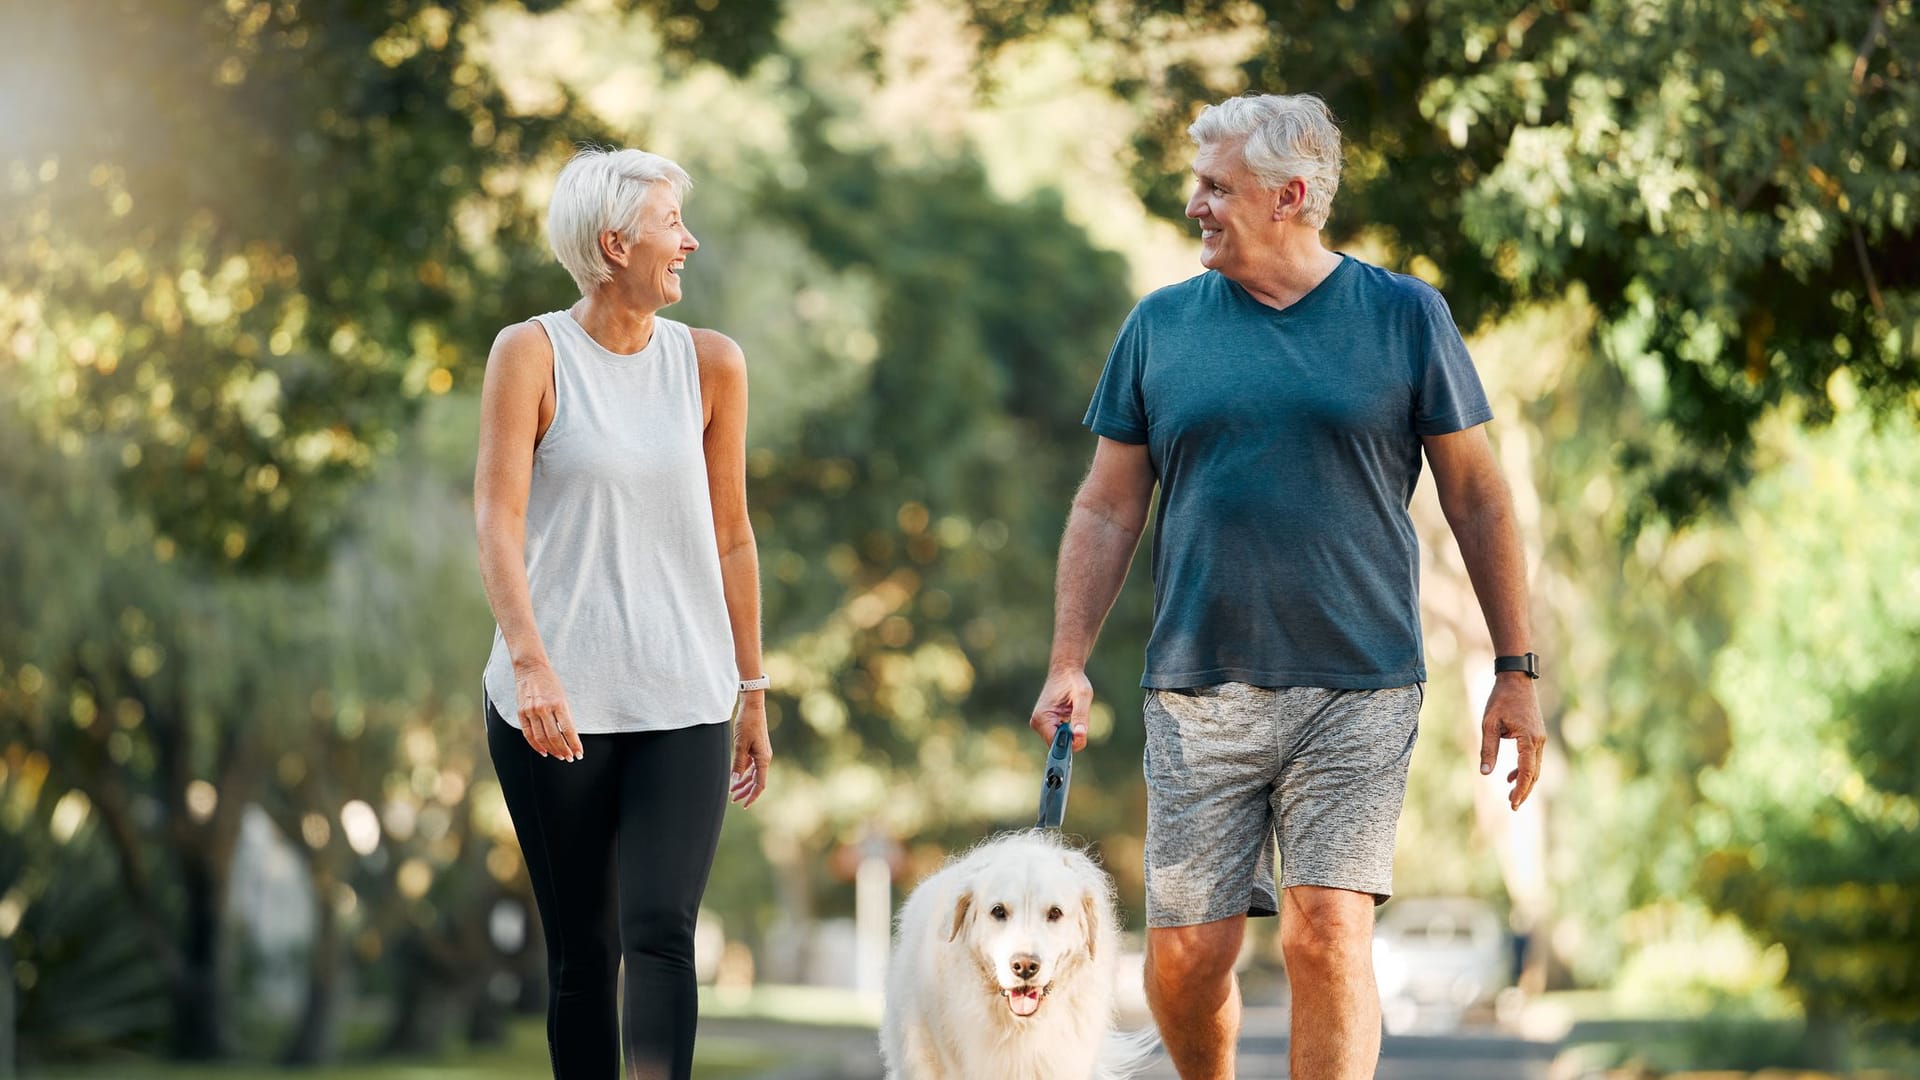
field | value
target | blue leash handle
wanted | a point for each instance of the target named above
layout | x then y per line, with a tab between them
1059	775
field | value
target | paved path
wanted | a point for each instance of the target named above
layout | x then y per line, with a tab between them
849	1054
1476	1056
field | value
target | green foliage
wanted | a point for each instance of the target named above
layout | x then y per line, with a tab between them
935	486
1838	881
81	974
1633	629
101	693
1737	704
1885	735
166	703
232	248
239	241
1815	818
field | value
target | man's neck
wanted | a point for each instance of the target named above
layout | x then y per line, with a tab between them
1290	271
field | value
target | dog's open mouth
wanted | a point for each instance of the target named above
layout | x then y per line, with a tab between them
1025	1000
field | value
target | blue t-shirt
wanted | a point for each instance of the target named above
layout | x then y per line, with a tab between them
1287	446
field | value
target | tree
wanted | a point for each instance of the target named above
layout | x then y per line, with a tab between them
1812	825
242	240
117	666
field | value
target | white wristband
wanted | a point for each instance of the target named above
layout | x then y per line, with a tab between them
760	683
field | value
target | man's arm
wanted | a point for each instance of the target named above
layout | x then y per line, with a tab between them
1479	509
1103	530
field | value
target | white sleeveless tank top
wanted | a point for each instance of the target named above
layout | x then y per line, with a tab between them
622	562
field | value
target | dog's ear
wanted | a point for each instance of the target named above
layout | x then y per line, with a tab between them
960	909
1092	911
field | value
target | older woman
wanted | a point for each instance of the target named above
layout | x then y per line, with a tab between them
610	499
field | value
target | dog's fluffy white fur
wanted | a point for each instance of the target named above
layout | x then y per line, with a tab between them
1004	968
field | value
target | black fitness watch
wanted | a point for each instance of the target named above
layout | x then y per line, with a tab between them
1529	663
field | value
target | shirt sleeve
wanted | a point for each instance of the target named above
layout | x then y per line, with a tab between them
1447	395
1118	410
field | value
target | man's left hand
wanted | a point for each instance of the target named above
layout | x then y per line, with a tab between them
1513	712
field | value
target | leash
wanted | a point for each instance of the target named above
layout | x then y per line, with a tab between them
1059	774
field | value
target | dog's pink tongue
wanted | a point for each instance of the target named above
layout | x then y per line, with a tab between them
1023	1002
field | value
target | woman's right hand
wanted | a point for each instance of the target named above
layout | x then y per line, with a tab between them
544	717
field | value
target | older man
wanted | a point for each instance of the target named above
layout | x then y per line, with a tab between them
1282	401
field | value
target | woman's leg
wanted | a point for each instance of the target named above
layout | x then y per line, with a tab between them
564	815
673	795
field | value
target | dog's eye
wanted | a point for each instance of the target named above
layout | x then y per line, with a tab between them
999	912
1053	914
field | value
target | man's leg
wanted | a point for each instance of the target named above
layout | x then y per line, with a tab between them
1194	995
1339	806
1212	759
1327	936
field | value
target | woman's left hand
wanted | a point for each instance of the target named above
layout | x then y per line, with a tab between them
752	752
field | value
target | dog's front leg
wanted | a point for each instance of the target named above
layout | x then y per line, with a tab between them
919	1059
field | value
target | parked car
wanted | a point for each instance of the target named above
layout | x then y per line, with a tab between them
1437	958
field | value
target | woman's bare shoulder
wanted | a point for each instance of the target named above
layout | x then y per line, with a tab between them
523	340
717	351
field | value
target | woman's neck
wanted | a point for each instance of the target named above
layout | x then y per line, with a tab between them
618	324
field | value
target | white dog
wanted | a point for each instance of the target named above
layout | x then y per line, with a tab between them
1004	969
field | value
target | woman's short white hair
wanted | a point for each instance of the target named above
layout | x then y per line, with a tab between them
603	189
1282	137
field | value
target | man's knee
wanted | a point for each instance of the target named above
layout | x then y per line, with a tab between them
1193	956
1326	927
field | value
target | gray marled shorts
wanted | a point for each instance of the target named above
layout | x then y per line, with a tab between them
1230	768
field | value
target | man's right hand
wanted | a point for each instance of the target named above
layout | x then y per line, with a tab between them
1064	700
544	717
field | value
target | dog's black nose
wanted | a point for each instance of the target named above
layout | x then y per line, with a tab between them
1026	965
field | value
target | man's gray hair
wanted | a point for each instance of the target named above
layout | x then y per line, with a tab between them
603	189
1282	137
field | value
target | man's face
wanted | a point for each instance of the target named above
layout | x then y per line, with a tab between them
1236	215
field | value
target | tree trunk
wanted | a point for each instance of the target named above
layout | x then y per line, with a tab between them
794	887
424	1016
486	1017
8	1008
314	1039
198	1015
529	967
1826	1041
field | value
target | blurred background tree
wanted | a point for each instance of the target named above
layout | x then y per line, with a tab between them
1814	813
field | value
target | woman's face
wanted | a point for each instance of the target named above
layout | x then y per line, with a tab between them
660	246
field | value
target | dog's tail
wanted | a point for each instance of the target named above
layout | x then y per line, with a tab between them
1125	1053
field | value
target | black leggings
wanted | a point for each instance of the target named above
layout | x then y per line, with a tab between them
618	845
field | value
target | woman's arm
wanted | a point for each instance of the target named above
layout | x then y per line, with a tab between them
723	394
516	405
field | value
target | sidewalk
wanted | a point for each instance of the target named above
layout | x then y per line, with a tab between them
814	1052
851	1053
